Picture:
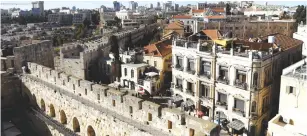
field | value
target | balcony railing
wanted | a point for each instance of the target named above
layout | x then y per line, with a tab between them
222	104
190	71
141	82
241	85
192	45
179	67
238	111
179	87
223	80
190	92
205	74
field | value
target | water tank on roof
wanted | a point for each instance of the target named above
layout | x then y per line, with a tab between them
271	39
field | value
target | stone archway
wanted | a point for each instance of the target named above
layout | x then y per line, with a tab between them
34	100
90	131
63	118
43	107
75	125
52	111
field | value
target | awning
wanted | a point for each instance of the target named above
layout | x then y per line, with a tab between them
177	98
222	115
189	103
237	125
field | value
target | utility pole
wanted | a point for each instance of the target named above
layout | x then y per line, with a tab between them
213	79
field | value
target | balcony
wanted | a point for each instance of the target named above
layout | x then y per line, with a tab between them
240	84
222	104
190	92
205	74
238	111
190	71
179	67
141	82
223	80
179	87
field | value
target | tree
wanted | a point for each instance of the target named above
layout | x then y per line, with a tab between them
86	22
118	22
96	17
228	9
300	14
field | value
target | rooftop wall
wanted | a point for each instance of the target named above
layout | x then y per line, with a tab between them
123	104
41	53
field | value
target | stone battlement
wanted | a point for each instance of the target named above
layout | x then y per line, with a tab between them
171	121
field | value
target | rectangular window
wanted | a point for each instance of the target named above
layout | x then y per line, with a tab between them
147	61
222	98
223	72
132	73
12	63
291	90
179	82
98	96
73	86
113	103
170	125
205	67
241	76
179	61
191	132
130	109
155	63
149	117
205	91
191	65
239	104
140	105
85	91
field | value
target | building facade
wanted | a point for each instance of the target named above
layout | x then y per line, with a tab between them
233	87
292	103
301	34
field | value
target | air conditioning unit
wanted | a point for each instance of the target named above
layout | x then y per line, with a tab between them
286	120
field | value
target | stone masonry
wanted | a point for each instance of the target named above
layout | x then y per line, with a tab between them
88	108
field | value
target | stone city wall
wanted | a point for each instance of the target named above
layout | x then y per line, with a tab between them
41	53
151	117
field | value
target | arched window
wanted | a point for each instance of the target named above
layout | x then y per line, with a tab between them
255	81
132	73
76	126
253	106
90	131
125	70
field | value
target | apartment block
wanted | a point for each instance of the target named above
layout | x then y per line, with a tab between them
291	118
230	83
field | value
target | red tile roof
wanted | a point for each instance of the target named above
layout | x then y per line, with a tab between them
182	17
216	17
198	10
175	25
214	34
159	49
218	9
285	42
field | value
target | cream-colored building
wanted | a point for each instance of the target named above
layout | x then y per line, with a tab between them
230	85
291	119
301	34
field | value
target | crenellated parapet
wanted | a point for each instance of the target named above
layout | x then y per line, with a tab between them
168	120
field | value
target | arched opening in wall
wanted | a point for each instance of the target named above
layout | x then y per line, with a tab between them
90	131
43	107
63	117
52	111
34	100
75	125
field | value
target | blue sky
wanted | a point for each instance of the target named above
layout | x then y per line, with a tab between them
97	4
